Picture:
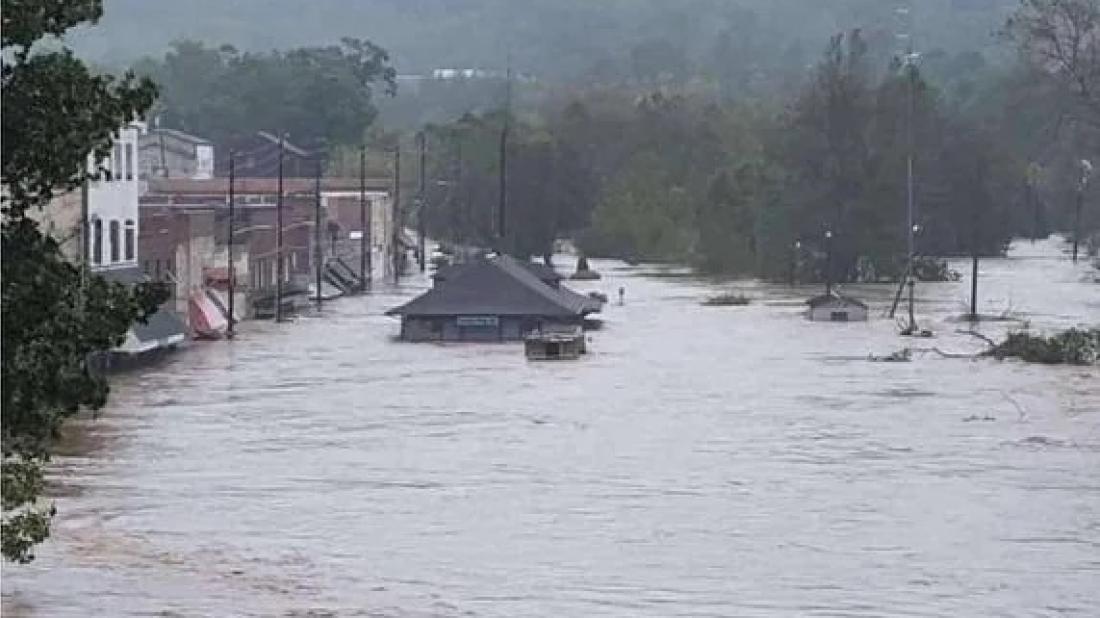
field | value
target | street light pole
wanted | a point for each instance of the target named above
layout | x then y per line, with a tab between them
828	262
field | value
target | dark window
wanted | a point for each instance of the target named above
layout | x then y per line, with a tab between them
116	163
97	241
114	239
130	232
838	316
129	161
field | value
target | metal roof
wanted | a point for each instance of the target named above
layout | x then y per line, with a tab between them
160	326
500	285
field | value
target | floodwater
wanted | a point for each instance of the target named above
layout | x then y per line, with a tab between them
702	461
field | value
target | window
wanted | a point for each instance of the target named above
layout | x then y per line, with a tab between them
108	173
129	161
116	164
97	241
130	233
115	246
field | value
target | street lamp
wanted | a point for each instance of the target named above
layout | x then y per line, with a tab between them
828	262
797	248
1086	171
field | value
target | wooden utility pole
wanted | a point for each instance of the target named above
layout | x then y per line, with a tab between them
396	217
279	236
502	208
364	222
229	242
318	254
422	211
975	235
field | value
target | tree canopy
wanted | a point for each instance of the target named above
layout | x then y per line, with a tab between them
54	314
316	95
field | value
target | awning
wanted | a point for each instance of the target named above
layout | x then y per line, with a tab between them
207	320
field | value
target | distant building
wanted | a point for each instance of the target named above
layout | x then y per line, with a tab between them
833	307
256	155
190	221
493	299
168	153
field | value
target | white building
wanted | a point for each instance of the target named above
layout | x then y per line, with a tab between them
112	209
112	244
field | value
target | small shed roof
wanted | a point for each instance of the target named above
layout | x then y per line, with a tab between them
835	300
500	285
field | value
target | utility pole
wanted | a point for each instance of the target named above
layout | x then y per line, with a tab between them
318	255
910	224
421	213
396	217
502	208
462	218
975	235
279	236
364	222
229	242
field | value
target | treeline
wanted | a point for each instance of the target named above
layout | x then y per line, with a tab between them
320	96
737	186
734	151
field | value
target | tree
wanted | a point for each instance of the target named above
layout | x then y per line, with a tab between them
1062	37
54	314
316	94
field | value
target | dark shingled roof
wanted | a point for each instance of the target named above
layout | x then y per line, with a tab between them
544	272
499	285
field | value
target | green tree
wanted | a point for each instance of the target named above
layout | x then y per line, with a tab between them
316	94
54	314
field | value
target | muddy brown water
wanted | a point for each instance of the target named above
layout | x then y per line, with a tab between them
701	461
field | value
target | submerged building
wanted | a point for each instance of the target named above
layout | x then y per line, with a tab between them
497	298
833	307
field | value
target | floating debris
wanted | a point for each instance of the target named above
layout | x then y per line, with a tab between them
727	300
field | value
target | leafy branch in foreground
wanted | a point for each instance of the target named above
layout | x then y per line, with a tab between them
53	314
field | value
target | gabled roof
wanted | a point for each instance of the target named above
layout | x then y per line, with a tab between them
545	273
500	285
834	299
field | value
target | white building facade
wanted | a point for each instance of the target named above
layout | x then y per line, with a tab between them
112	207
